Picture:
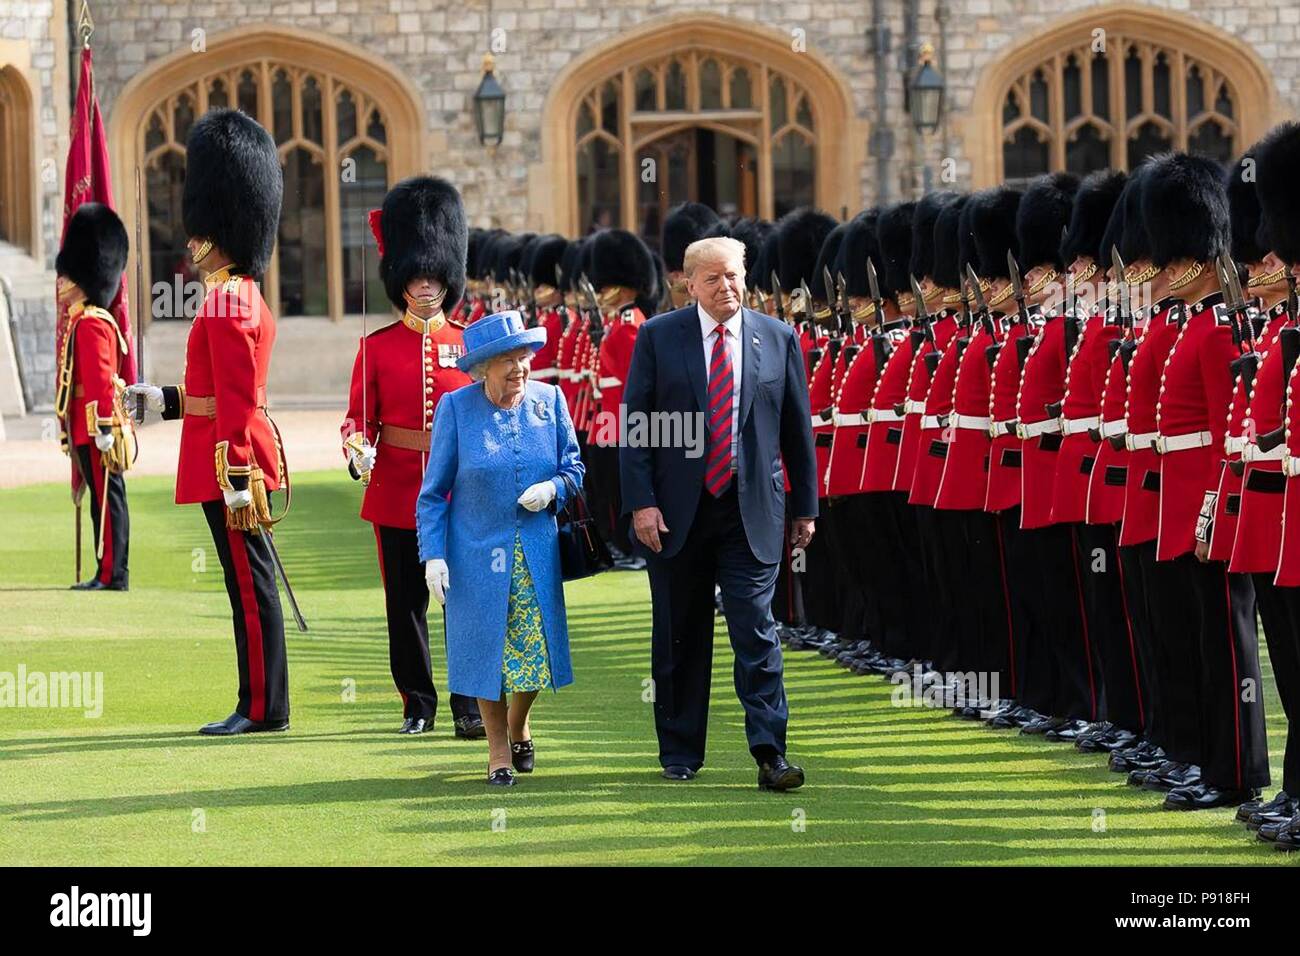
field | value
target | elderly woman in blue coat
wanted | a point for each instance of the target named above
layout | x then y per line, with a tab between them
500	452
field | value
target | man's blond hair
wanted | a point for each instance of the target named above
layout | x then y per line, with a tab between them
713	249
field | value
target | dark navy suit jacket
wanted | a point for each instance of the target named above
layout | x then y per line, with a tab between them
668	375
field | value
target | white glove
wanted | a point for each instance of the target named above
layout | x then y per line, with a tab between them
104	441
364	458
435	575
153	395
538	496
238	499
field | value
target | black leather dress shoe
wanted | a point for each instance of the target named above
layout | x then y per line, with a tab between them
1115	738
1251	807
1142	756
1017	716
1067	732
1202	796
1287	835
235	724
470	727
406	726
522	755
1042	725
502	777
1281	809
779	774
677	772
94	584
418	725
1168	776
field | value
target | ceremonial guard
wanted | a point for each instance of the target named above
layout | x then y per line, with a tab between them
399	374
1259	537
1091	336
623	276
96	428
541	267
1185	207
231	207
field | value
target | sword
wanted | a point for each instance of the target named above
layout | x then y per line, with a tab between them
139	303
365	369
284	579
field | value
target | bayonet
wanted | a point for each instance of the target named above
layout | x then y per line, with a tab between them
922	311
776	295
1017	287
1122	301
977	293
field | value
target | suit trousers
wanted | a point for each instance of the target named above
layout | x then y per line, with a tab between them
1111	628
258	621
1279	610
1234	744
116	528
406	606
715	551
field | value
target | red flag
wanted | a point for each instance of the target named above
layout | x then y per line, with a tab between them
88	179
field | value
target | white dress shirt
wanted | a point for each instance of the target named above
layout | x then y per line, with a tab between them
709	329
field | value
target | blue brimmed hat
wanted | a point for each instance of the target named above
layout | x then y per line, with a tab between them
495	334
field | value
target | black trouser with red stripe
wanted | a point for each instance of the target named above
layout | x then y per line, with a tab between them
116	531
1234	745
821	603
787	600
1111	625
942	536
1034	679
259	624
406	604
842	521
983	637
1174	675
1279	609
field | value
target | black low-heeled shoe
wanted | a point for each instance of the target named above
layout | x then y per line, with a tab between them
502	777
521	755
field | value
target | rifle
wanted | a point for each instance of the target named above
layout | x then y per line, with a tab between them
879	340
837	294
776	294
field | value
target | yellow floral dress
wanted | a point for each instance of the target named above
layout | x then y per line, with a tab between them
524	667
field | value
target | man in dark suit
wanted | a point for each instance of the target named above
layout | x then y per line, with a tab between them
713	510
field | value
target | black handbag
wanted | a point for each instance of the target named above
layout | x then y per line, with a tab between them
582	550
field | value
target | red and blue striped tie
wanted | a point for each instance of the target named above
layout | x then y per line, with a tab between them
717	474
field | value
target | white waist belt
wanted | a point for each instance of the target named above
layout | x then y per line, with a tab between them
1076	426
1000	428
1050	426
609	381
1167	443
934	421
1252	452
1234	445
913	406
1140	442
979	423
823	418
845	421
883	415
1112	429
544	373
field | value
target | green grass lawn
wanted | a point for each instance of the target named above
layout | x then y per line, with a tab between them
887	785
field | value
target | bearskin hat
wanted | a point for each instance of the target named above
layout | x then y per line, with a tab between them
423	233
751	233
234	187
619	257
94	253
1248	242
769	260
683	225
1134	242
926	215
571	264
989	230
510	255
826	259
801	233
1277	157
858	245
949	249
543	255
1043	215
1097	197
894	238
1185	207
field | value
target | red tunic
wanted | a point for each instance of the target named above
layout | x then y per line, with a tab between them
885	432
1196	390
1005	457
565	360
545	361
932	450
405	375
849	445
98	354
1085	382
1288	568
227	356
913	404
964	484
1257	535
1041	385
1142	484
821	400
613	362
